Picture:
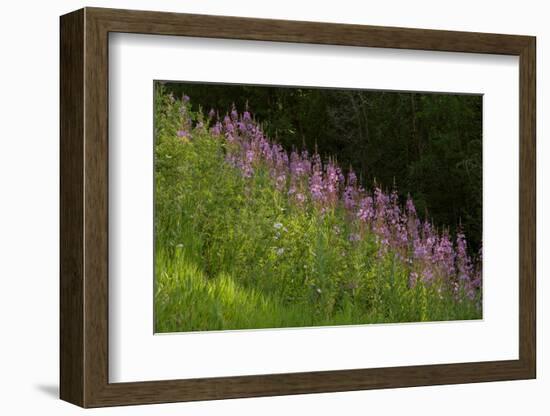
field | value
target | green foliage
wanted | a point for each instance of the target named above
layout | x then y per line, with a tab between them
233	253
427	143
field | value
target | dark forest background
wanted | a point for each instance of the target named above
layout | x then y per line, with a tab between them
428	145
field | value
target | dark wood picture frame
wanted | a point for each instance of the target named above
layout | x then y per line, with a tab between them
84	207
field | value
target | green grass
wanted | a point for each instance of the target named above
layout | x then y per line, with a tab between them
223	262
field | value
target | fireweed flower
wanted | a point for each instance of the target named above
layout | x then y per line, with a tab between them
444	255
401	235
226	120
349	198
409	206
397	229
234	114
366	211
350	191
393	211
381	201
428	276
413	223
298	166
333	177
217	129
316	185
464	265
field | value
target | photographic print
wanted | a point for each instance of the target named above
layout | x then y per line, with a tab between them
282	207
230	240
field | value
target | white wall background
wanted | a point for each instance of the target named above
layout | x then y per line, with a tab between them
29	159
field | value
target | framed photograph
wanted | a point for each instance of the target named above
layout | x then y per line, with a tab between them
255	207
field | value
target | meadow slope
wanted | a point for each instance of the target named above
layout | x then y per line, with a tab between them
251	235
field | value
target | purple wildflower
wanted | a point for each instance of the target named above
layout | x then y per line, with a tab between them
428	255
366	211
234	114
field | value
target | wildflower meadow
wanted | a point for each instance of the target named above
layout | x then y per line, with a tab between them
250	234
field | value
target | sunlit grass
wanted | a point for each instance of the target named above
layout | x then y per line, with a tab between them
235	252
